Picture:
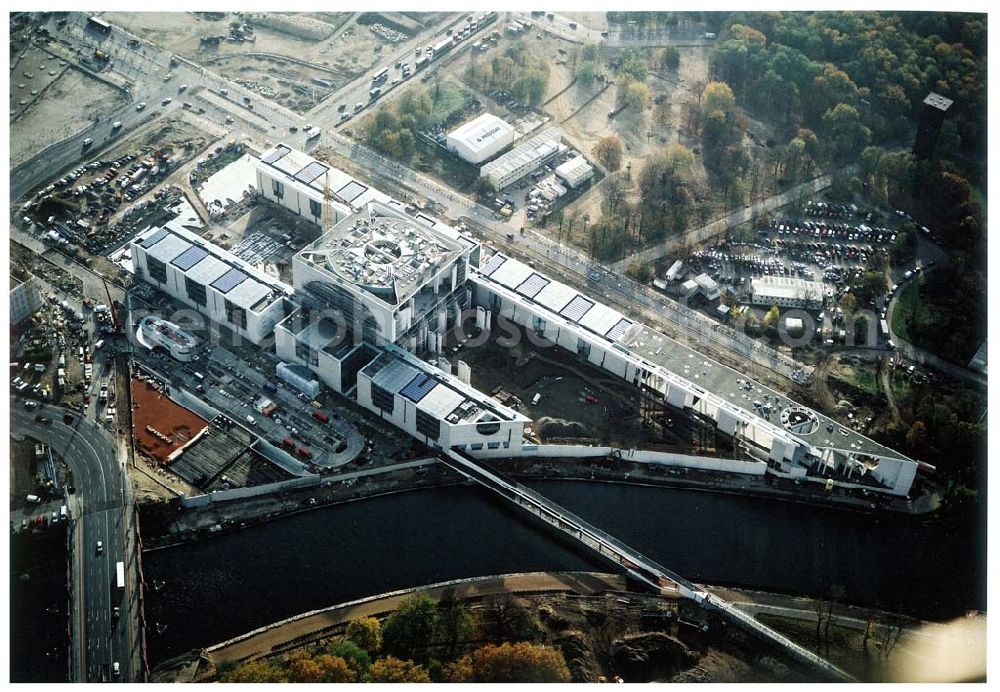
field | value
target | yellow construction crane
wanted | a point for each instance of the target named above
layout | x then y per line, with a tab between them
328	196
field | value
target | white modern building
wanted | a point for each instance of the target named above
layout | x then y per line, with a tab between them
576	171
481	139
799	444
787	292
436	407
154	332
296	181
523	159
211	280
25	299
379	277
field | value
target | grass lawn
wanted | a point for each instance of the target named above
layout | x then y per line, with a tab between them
908	308
447	98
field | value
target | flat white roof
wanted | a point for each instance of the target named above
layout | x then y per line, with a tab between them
482	132
534	149
574	168
788	287
309	174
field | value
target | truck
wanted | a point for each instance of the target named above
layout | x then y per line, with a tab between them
321	416
374	93
120	574
305	453
381	76
270	387
314	132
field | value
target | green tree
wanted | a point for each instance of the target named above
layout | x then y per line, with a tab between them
670	58
635	95
335	669
586	73
640	270
771	318
367	633
508	663
916	436
356	657
454	627
718	96
392	669
408	631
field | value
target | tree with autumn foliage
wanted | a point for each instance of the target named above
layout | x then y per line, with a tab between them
253	672
517	662
366	633
392	669
608	152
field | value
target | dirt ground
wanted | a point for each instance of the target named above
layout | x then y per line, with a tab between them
583	125
22	470
152	409
347	50
563	412
60	110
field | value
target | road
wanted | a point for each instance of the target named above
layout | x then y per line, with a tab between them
919	355
98	514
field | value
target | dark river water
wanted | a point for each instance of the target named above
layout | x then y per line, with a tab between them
230	584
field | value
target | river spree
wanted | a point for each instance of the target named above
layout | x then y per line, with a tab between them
230	584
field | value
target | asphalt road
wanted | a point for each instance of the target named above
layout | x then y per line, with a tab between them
98	515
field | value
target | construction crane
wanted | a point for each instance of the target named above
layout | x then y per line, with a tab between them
113	306
328	196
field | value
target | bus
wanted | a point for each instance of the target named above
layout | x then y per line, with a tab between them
885	327
381	76
99	25
120	569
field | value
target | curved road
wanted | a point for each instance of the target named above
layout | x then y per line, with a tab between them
98	514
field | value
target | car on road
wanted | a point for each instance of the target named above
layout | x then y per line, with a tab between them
116	669
182	87
140	106
116	124
167	101
87	142
100	547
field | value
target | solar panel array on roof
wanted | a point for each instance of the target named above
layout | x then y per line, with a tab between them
228	281
279	153
577	308
492	264
352	190
532	285
155	238
419	387
189	257
618	331
311	172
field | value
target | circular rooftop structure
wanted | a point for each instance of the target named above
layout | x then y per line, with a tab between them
799	420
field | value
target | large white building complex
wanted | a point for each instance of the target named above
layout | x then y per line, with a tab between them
480	139
523	159
211	280
379	290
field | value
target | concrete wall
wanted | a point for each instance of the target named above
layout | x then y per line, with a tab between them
753	468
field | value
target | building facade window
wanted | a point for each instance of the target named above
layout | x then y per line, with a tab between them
157	269
428	425
315	208
493	445
477	445
278	188
195	291
307	354
236	315
382	399
582	348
